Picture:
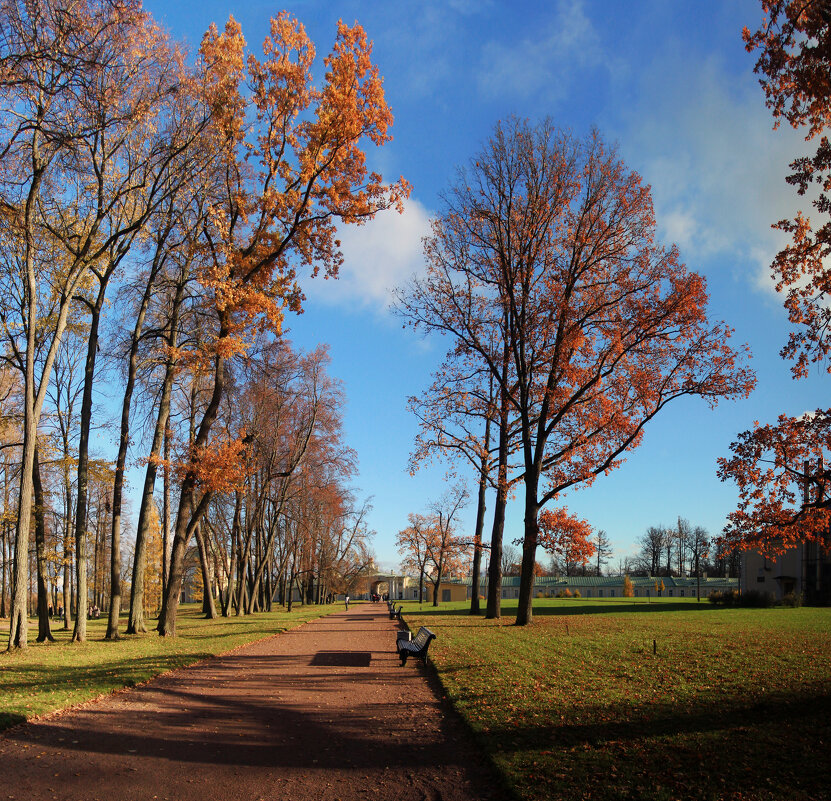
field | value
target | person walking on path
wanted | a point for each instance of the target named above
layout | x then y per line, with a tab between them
347	602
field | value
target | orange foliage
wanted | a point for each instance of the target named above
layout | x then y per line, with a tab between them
780	469
780	506
566	536
795	68
292	162
219	467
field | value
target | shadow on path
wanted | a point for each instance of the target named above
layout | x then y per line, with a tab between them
321	712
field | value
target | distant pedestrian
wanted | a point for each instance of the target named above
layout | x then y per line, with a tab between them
347	603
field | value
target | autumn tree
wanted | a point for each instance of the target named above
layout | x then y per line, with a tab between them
445	547
457	414
412	547
567	538
628	589
431	543
699	551
781	468
293	167
550	242
77	83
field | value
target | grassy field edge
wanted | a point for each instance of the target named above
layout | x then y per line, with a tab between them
51	678
615	700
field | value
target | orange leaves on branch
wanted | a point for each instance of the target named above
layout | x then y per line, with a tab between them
794	65
219	467
566	536
794	41
780	469
781	504
294	164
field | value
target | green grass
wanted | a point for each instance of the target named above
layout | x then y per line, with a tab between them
46	677
733	703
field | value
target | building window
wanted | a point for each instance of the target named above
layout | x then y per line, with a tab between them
600	593
445	596
611	593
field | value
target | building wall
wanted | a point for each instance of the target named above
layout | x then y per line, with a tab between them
804	570
612	587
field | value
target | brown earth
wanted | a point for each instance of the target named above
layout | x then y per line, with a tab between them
320	712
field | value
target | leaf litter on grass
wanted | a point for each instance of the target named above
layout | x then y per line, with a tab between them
726	708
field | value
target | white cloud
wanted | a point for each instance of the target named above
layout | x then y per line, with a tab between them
703	139
542	64
378	256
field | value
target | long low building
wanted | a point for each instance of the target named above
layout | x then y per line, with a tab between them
457	589
612	586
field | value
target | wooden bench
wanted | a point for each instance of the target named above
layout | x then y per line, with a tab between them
416	647
395	614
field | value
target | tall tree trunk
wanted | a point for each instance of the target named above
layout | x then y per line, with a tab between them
135	621
44	630
4	550
168	434
232	571
188	517
529	548
208	606
480	519
19	613
79	633
494	606
242	577
121	459
187	520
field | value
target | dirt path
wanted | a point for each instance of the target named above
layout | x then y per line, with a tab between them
321	712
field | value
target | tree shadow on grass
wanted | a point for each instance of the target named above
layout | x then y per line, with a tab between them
572	608
772	747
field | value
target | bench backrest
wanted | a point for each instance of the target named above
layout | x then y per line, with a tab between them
423	637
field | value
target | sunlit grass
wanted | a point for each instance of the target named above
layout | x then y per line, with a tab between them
610	699
46	677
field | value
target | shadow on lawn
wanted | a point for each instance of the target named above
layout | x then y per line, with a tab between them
748	751
573	608
113	675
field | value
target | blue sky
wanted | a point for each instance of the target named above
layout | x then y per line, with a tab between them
670	82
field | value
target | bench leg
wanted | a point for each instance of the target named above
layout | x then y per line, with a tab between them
403	655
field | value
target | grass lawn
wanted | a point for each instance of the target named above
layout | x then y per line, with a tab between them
727	703
46	677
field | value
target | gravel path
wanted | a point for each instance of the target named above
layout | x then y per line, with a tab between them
324	711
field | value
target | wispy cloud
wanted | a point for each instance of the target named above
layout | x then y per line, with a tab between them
378	256
542	64
704	141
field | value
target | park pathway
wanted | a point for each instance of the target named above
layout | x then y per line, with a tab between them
320	712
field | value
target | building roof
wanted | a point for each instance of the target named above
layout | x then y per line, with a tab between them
606	581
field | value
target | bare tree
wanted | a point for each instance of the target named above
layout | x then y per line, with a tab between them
603	550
